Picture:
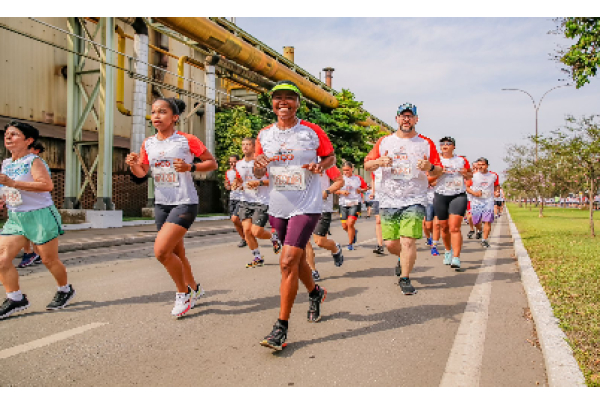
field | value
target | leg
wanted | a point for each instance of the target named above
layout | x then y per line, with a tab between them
250	239
188	275
49	254
238	226
310	256
455	234
10	245
378	230
324	242
394	247
445	231
487	227
260	233
167	239
408	255
351	229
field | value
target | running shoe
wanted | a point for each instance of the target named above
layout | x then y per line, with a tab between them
196	295
447	257
429	242
27	260
470	234
406	286
479	235
316	276
61	299
398	270
37	260
378	250
276	339
434	251
256	262
314	308
355	236
338	259
276	243
350	247
485	244
183	303
242	244
11	306
456	264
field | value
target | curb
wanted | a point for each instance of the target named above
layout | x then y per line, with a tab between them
135	239
561	367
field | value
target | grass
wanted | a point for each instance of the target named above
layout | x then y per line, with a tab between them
567	261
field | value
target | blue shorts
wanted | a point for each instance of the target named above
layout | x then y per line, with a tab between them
429	215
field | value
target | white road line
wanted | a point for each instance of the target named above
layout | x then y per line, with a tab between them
42	342
464	363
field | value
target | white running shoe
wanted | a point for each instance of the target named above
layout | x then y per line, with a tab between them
196	295
183	304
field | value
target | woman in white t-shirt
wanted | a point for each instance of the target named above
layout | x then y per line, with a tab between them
170	154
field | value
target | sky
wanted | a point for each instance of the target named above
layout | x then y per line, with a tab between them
453	69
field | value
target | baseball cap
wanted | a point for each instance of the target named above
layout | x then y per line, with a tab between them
407	107
452	140
285	85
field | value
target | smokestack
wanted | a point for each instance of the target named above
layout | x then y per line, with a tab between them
288	53
328	75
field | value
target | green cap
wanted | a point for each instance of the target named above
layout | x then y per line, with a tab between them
285	85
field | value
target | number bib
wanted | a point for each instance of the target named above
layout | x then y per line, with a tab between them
288	178
402	170
164	174
454	184
486	194
12	196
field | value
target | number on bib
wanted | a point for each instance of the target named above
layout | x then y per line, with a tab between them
12	196
164	174
288	178
486	194
402	170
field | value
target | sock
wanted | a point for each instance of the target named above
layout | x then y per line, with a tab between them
15	296
284	323
314	292
274	235
256	253
338	251
435	243
483	239
64	289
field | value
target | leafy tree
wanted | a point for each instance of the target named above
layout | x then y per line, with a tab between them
583	57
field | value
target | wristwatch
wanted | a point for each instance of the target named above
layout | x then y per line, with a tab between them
432	168
193	168
328	192
260	183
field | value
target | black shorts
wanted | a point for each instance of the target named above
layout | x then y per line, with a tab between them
255	211
349	211
369	203
499	203
183	215
234	207
323	225
443	206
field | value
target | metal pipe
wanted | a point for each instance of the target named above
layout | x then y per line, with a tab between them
121	73
209	115
288	52
328	75
140	89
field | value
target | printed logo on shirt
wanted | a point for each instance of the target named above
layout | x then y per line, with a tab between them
283	155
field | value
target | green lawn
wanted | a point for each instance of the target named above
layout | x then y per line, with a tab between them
567	261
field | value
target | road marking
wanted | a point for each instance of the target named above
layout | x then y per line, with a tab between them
42	342
464	363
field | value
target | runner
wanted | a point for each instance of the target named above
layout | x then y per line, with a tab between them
350	201
234	199
334	175
498	204
485	186
170	154
290	148
406	158
376	184
431	227
26	186
254	204
450	200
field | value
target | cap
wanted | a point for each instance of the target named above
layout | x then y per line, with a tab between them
452	140
407	107
285	85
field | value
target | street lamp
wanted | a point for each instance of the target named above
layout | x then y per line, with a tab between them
537	108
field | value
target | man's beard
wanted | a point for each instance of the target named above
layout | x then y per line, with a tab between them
410	129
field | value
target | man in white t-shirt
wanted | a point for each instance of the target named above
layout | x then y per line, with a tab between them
234	198
486	185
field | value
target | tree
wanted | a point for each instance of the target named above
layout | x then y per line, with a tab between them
583	57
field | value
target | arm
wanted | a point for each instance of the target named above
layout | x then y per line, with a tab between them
136	165
208	163
41	179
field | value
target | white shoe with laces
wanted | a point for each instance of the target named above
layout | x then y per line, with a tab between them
196	295
183	304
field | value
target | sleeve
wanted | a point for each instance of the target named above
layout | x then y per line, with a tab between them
258	149
333	173
325	147
144	153
373	176
469	183
374	153
197	148
434	157
467	165
497	182
363	184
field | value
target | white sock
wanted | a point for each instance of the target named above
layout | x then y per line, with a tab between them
64	289
256	253
435	243
274	235
15	296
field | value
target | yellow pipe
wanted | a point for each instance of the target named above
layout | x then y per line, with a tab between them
180	65
213	36
121	73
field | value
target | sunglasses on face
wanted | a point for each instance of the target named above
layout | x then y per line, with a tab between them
446	143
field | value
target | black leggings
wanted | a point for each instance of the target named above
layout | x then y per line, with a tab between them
444	206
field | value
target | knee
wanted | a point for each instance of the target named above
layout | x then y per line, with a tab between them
455	230
407	243
320	240
162	254
390	244
288	264
50	261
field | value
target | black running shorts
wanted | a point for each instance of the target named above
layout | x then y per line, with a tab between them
234	207
183	215
349	211
323	225
443	205
255	211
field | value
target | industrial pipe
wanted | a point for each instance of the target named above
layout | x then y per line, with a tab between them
219	39
121	73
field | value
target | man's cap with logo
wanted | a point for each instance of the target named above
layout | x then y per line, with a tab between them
450	139
407	107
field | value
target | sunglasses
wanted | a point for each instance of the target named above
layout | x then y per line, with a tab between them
446	143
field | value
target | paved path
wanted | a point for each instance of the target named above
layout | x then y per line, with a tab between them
119	332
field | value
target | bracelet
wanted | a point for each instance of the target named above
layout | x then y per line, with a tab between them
432	168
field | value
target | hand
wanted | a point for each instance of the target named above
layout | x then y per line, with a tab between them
344	192
385	160
6	181
133	159
261	161
314	168
424	164
325	195
478	193
252	184
463	172
181	166
372	196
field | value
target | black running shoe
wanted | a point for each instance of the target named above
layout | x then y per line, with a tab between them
314	309
485	244
407	287
479	235
398	270
10	306
378	250
470	234
338	259
242	244
276	339
37	260
316	276
61	299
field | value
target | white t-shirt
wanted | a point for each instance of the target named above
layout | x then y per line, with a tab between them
230	175
171	187
486	183
452	182
21	200
326	178
403	184
376	178
352	184
293	190
259	194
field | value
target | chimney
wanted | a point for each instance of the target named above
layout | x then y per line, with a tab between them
288	52
328	75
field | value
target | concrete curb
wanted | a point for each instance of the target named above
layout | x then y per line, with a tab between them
136	239
561	367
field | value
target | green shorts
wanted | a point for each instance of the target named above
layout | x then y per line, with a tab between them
38	226
404	222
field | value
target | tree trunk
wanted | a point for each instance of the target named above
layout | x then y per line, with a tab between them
591	197
541	208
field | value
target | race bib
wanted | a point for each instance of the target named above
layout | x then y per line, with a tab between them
12	196
288	178
402	170
164	174
486	194
454	184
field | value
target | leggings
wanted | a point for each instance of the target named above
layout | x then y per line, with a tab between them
296	230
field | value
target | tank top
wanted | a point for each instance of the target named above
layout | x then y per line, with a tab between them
21	200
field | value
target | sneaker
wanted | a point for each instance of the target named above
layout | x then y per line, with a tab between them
406	286
429	242
447	257
276	243
10	306
316	276
276	339
183	303
456	264
61	299
470	234
314	308
378	250
256	262
37	260
338	259
355	236
398	270
479	235
27	260
242	244
485	244
350	247
434	251
196	295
